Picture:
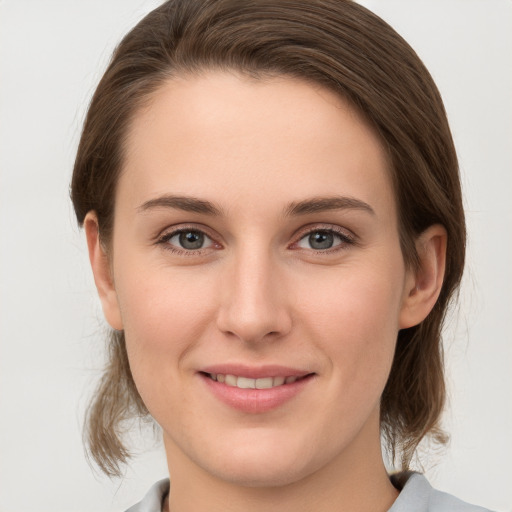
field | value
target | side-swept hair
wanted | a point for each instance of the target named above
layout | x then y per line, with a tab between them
341	46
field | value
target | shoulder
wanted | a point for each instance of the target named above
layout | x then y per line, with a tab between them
154	498
417	495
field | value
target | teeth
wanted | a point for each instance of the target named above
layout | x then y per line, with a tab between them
231	380
264	383
246	383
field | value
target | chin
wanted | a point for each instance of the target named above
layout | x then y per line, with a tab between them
254	464
263	475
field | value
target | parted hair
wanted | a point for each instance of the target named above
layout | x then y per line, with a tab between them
339	45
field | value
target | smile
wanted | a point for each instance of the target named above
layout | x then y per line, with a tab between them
256	391
247	383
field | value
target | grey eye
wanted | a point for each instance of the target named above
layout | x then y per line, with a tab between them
321	240
190	240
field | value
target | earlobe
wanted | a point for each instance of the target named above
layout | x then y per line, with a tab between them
102	272
423	285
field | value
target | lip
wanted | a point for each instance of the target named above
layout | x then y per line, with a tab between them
255	401
252	372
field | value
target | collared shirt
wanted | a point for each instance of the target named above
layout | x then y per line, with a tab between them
417	495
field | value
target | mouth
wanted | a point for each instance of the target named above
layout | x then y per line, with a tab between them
248	383
263	391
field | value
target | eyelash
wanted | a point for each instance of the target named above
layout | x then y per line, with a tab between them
344	238
164	240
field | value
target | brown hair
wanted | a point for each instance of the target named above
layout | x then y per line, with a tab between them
339	45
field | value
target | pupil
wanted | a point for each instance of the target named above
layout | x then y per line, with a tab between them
321	240
191	240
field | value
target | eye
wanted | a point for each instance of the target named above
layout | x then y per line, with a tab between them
323	240
187	240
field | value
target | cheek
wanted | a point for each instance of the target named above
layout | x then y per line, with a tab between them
355	320
165	314
161	306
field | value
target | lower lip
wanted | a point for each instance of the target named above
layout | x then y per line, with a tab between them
256	401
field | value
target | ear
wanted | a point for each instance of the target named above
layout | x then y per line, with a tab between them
102	273
423	285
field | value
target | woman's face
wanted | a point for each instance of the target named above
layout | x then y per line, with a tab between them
255	242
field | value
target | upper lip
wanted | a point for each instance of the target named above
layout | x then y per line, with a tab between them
255	372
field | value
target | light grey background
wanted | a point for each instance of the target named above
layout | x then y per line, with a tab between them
52	54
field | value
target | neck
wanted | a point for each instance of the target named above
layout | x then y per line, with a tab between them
357	481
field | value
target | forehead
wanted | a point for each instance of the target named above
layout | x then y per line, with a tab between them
245	138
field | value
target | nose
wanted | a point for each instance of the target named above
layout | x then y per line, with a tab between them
254	305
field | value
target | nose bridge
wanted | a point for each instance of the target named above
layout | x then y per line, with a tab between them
254	305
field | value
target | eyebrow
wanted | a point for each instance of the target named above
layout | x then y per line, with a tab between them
296	208
185	203
322	204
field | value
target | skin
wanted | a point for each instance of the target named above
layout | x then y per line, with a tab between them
258	292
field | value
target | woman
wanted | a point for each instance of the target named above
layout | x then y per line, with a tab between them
272	205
